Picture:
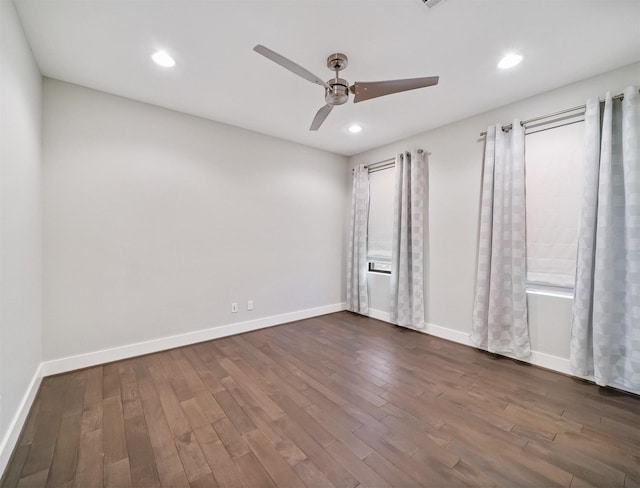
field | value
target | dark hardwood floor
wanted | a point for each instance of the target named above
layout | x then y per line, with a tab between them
340	400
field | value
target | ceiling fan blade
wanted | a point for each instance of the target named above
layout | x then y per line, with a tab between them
290	65
366	90
320	117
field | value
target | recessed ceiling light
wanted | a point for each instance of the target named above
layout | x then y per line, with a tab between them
163	59
509	61
355	128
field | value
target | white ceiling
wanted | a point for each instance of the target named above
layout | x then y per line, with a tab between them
106	45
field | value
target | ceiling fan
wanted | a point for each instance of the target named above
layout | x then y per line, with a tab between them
336	90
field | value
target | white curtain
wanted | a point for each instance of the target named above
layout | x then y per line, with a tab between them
407	252
357	298
500	307
605	333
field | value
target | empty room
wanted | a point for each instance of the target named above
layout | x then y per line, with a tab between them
319	243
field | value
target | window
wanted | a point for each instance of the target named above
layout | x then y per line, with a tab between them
553	192
380	231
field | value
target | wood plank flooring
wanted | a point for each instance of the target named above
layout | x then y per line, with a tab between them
335	401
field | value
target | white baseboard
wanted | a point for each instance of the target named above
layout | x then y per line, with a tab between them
94	358
544	360
18	420
556	363
447	333
380	315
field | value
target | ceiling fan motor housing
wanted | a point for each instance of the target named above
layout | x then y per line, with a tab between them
337	92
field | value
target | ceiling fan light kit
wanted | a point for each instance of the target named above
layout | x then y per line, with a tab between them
336	90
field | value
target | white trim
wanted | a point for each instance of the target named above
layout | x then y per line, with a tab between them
544	360
549	291
446	333
15	426
556	363
379	315
56	366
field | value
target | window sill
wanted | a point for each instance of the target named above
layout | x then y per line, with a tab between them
549	291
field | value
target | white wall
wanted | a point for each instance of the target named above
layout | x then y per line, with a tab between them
455	166
155	221
20	225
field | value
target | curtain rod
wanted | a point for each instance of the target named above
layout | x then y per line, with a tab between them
384	162
377	166
555	114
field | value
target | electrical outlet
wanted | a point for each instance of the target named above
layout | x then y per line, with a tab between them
250	305
234	307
